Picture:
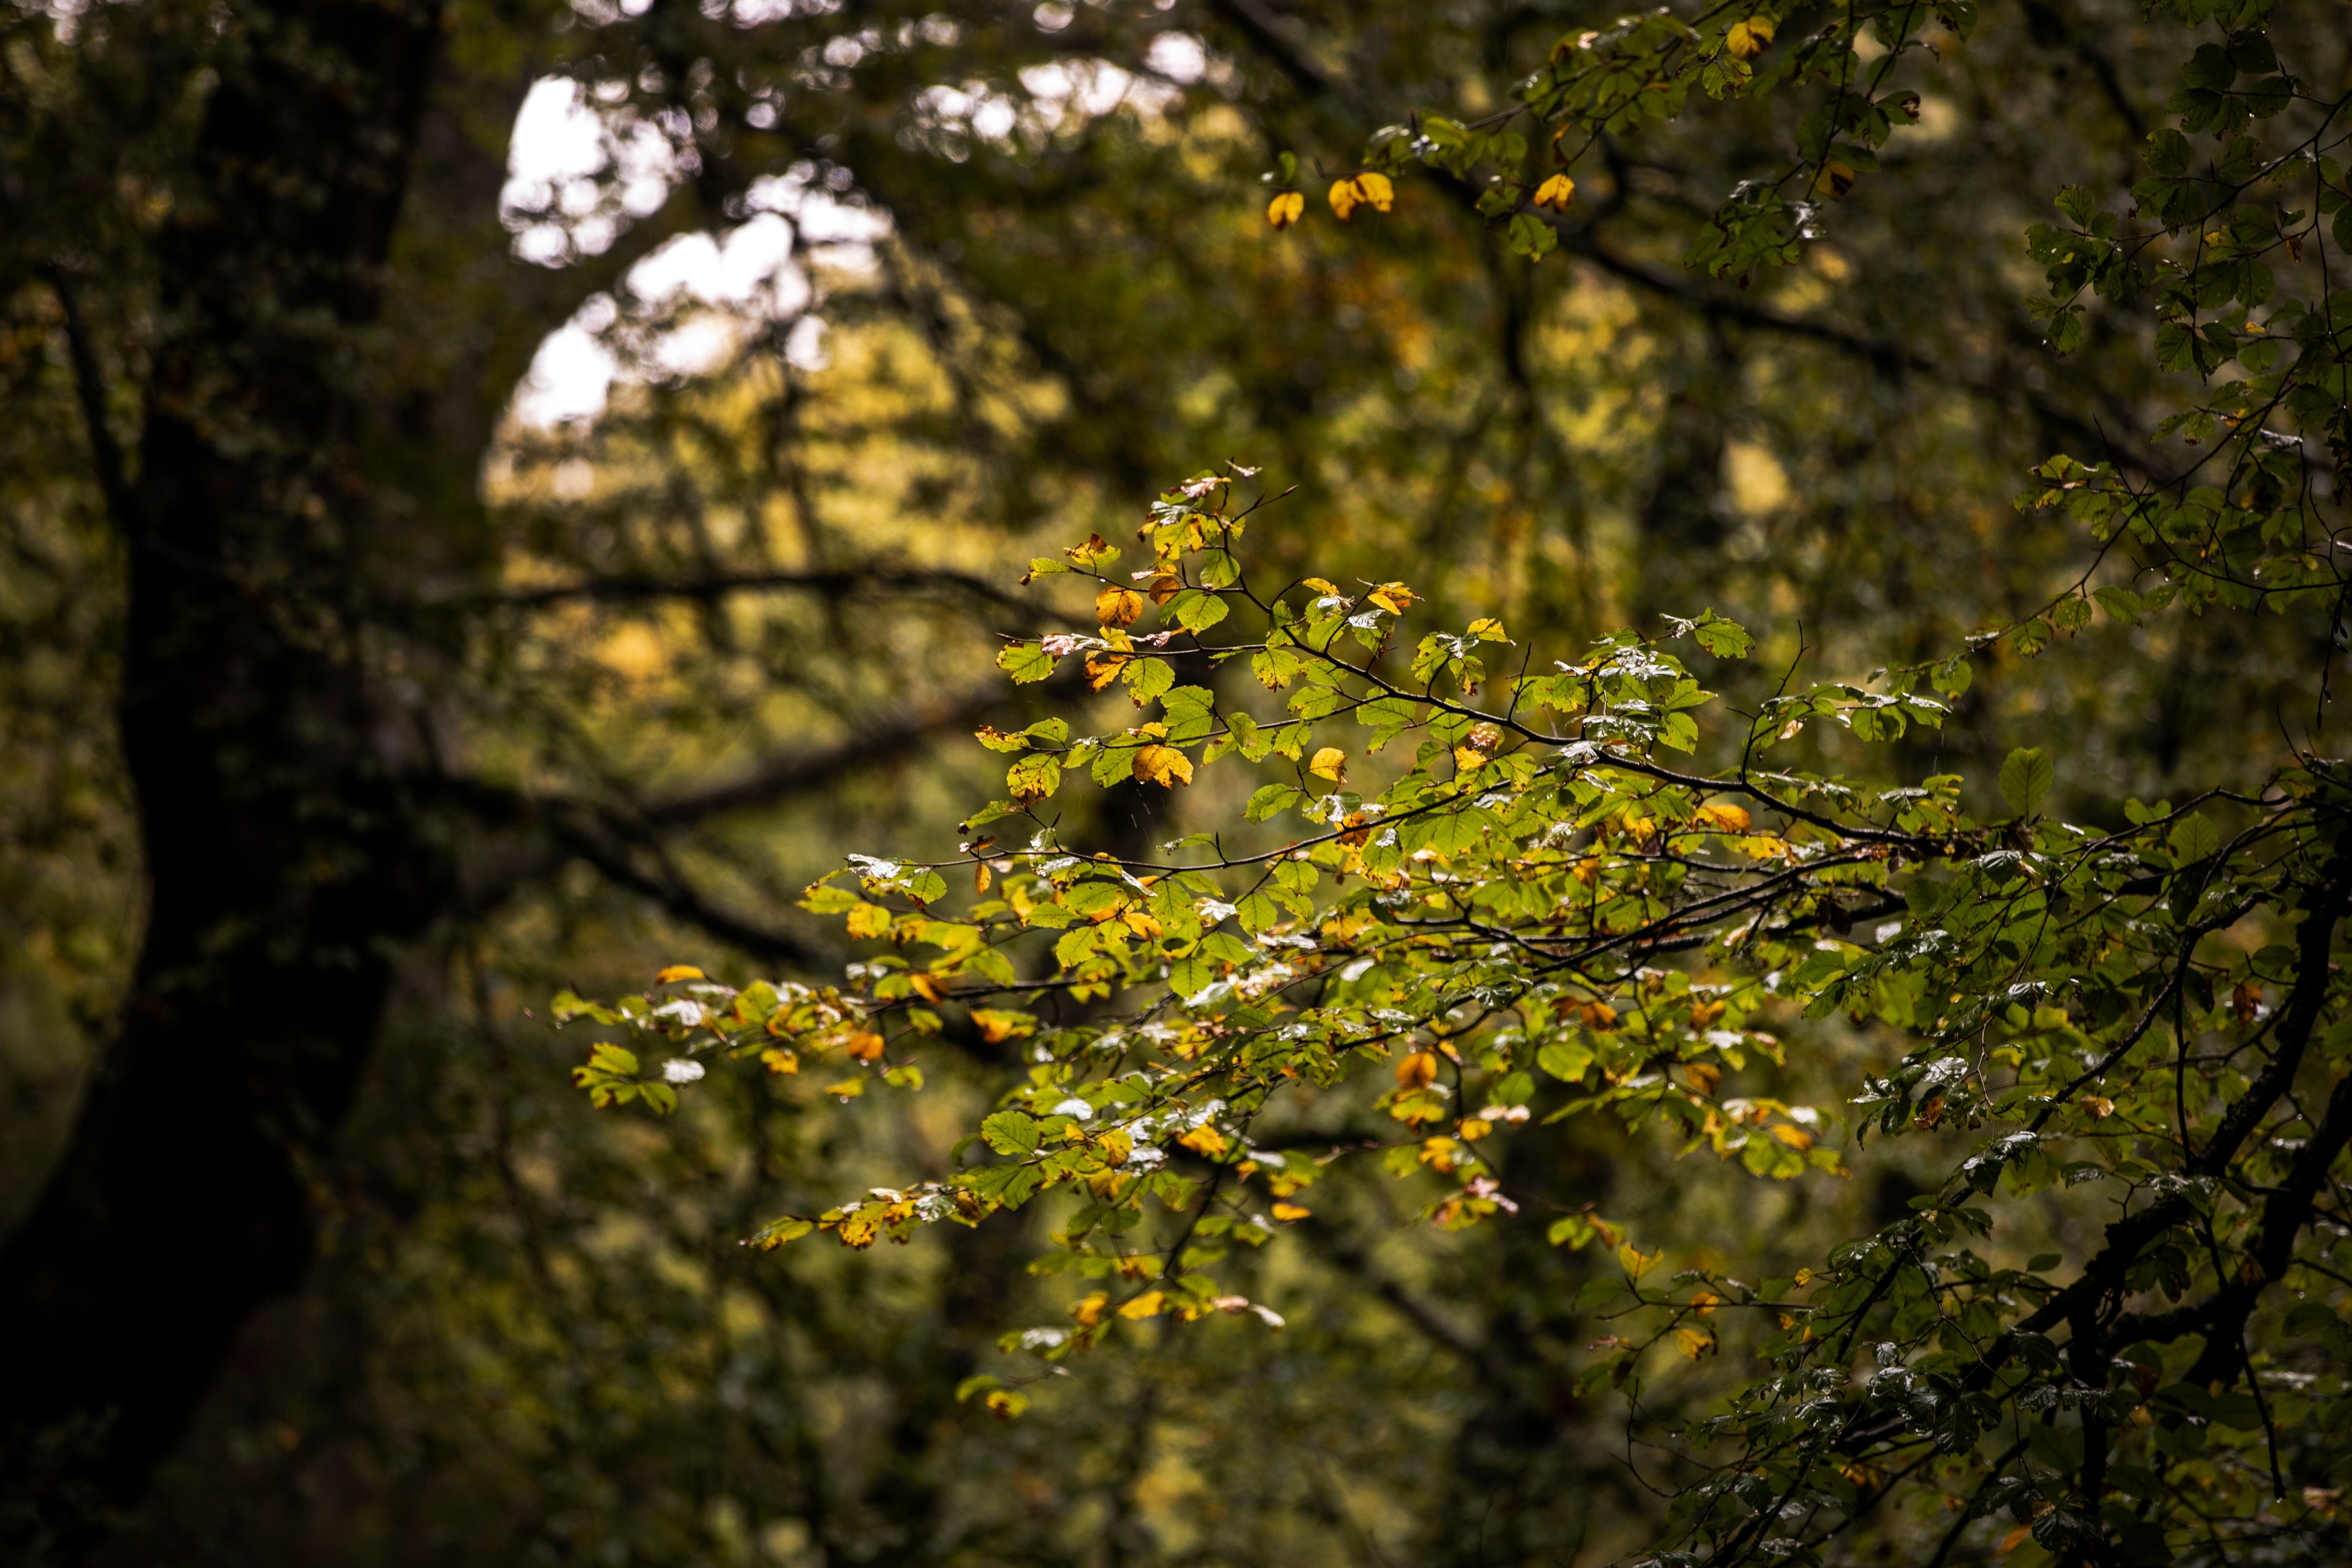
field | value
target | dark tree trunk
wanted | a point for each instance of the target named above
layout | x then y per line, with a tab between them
284	863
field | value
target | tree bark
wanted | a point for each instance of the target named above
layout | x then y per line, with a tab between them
284	863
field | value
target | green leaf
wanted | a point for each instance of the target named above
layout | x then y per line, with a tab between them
1725	639
1025	662
1147	679
1567	1061
1011	1132
2025	778
2193	838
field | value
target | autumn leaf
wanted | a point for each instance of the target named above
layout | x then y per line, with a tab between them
1163	766
1747	40
1417	1071
1205	1141
1144	1306
1330	762
1365	190
863	1045
1706	1014
1835	179
1285	209
1286	1213
867	921
1033	778
1092	552
1393	597
1796	1138
1722	818
1006	1403
997	1026
1089	1310
1558	193
1102	669
1117	606
779	1060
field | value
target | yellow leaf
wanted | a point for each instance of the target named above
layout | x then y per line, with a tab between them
1285	209
2099	1106
980	876
1836	179
1289	1212
779	1060
927	987
1796	1138
1144	1306
1393	597
1330	762
1558	193
1117	606
1102	669
1089	1311
1706	1301
1417	1071
847	1089
1092	551
1597	1015
1486	628
1693	1342
2015	1537
1747	40
1163	766
678	971
864	1046
1006	1403
997	1026
1329	589
1722	818
1141	924
1345	198
1468	761
1205	1141
1636	1261
1377	189
869	921
1703	1077
1704	1014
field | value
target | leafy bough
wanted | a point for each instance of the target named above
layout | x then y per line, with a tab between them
1453	884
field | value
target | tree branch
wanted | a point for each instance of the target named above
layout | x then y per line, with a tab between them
89	388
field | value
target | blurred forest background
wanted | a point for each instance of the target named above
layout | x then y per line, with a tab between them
497	495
